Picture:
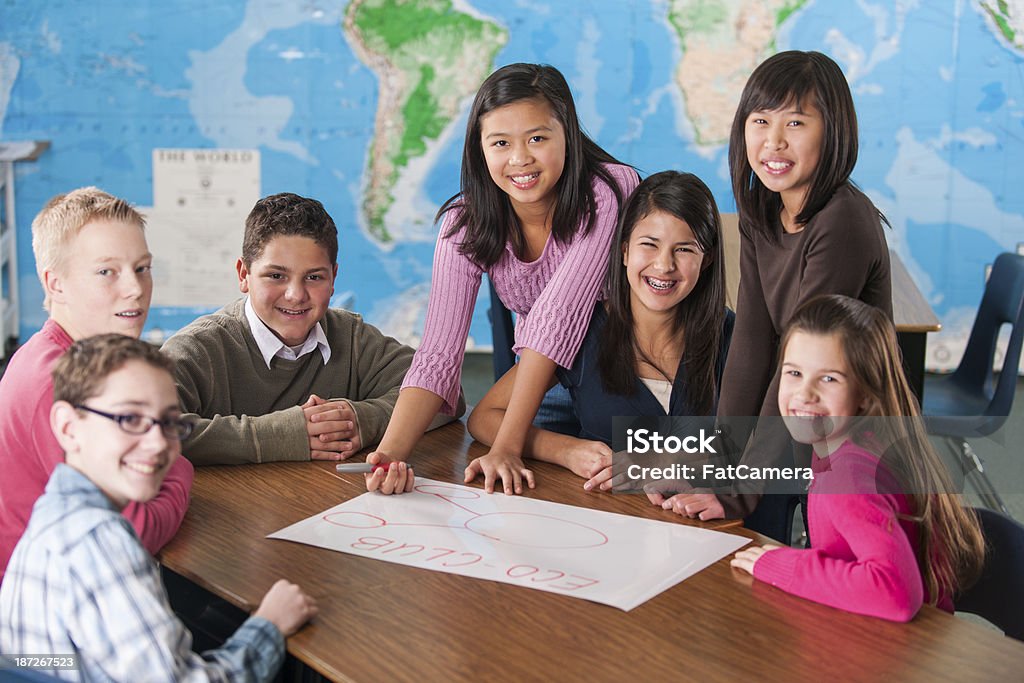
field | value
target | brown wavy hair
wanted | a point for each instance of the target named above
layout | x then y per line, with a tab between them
951	546
698	318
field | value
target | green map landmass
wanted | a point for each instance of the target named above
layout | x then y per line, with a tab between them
428	58
1001	14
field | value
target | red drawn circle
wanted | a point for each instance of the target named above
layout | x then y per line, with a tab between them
349	520
536	531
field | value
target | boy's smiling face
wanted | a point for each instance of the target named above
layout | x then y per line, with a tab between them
126	467
290	286
104	283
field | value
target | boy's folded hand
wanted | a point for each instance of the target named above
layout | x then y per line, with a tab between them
332	427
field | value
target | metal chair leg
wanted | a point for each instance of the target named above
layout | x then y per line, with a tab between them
975	473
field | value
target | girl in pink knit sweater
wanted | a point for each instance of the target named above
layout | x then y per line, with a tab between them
888	532
536	212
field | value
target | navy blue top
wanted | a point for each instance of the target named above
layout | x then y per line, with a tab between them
595	407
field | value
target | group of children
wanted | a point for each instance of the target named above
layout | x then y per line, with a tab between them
619	290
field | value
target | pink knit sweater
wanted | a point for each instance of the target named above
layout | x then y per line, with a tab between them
863	557
553	297
29	451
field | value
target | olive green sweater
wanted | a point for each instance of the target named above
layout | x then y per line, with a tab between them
247	412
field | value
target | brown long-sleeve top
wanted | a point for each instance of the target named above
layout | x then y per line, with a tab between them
841	250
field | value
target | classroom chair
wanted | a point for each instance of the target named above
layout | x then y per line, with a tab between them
773	517
998	596
970	403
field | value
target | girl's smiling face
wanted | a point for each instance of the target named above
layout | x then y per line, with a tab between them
524	148
783	149
663	261
818	395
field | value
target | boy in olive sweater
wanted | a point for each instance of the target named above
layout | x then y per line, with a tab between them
278	375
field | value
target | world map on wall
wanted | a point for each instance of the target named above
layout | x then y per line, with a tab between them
363	105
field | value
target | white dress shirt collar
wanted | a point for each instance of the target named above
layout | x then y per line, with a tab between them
270	346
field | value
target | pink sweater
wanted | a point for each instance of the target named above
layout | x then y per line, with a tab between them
553	297
863	559
29	451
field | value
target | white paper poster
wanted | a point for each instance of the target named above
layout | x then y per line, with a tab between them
608	558
201	198
206	179
194	254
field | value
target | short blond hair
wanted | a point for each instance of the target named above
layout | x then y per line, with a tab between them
64	216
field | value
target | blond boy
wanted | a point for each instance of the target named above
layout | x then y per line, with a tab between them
94	265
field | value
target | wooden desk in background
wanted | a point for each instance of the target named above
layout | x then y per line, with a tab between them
913	317
382	621
914	320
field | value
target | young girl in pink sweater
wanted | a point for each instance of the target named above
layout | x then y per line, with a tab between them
888	532
536	212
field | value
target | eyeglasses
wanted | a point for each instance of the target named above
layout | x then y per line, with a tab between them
176	428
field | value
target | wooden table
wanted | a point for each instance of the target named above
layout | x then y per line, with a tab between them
380	621
914	320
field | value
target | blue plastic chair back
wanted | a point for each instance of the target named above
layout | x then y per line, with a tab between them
998	596
971	391
1001	304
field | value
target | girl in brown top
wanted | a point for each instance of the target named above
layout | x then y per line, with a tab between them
805	230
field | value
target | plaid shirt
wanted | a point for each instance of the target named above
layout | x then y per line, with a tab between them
80	582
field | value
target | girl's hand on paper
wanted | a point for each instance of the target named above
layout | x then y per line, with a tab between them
504	466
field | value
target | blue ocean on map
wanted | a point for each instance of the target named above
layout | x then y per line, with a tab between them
938	91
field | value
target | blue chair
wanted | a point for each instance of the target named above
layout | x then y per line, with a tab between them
971	403
502	334
998	596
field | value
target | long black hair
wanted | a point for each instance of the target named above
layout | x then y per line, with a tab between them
486	211
794	77
698	318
